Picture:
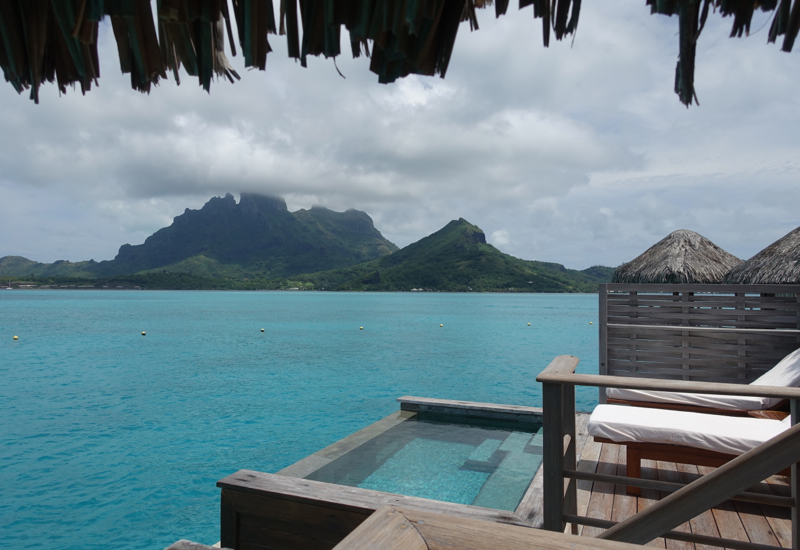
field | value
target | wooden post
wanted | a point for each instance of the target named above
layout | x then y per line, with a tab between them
634	302
227	524
602	313
741	342
569	460
795	482
553	459
685	334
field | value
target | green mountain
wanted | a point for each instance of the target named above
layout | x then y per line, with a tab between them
602	273
259	244
258	237
457	258
17	266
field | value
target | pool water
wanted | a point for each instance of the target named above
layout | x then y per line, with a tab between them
482	464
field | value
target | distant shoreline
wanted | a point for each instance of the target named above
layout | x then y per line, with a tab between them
299	283
297	290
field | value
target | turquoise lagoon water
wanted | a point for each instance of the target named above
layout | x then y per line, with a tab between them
113	439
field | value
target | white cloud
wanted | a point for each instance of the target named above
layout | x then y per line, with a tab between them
579	154
499	238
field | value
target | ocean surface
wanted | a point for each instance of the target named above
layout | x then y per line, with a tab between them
113	439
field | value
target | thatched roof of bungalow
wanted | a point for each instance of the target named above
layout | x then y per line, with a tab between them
56	40
683	256
777	264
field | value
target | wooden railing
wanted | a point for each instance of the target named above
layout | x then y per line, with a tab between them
710	333
729	481
398	528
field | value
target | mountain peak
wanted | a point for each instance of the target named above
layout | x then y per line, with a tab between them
456	258
258	236
261	203
470	233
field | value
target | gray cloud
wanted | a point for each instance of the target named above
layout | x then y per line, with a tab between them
579	154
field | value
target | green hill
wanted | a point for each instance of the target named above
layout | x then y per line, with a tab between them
258	237
457	258
17	266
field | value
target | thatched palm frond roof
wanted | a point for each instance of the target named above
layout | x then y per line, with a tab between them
56	40
692	16
778	264
683	256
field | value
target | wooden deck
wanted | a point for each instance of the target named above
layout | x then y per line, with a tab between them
743	521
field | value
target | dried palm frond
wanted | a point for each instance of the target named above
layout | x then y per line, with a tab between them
43	41
692	15
56	40
777	264
681	257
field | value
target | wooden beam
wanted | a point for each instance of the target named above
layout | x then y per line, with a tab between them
645	328
569	460
442	532
794	406
353	499
668	486
553	456
562	364
229	535
602	369
562	377
407	402
727	289
386	529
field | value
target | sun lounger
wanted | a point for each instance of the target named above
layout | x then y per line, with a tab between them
785	374
679	436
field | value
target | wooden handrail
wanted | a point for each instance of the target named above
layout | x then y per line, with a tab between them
726	481
397	528
563	364
562	376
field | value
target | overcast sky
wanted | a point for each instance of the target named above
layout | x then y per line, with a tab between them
579	154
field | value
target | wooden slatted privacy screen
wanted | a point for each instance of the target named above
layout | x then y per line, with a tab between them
712	333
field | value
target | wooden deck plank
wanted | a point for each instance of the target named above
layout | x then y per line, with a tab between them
602	499
581	432
728	522
589	459
756	525
581	440
704	524
763	524
779	518
668	471
625	505
649	497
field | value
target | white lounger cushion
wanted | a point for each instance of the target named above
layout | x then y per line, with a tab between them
727	402
785	374
724	434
